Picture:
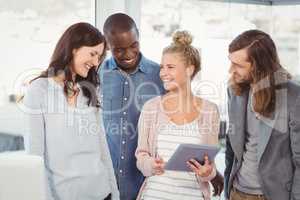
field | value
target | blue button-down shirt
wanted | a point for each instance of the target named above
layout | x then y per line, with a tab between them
122	97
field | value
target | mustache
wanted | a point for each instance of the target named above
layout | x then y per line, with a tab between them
247	80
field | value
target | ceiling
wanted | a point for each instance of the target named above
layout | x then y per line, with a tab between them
264	2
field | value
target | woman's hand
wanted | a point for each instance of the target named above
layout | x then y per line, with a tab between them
201	170
158	166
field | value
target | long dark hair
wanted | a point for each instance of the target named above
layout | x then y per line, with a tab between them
76	36
262	55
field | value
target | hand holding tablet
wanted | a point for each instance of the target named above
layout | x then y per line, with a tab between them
202	170
158	166
186	152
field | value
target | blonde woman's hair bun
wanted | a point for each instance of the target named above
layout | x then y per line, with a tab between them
182	38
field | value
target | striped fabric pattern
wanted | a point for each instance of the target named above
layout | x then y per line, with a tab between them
173	185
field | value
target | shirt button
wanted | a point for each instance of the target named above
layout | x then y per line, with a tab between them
123	142
293	123
126	83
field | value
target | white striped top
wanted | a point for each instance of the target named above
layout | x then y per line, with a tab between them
174	185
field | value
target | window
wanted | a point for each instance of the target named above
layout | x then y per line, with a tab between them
30	30
214	24
285	30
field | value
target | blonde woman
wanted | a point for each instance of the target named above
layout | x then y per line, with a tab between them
172	119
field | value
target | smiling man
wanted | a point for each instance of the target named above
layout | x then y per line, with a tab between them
263	142
128	79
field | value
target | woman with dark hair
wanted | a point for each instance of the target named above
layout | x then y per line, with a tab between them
63	114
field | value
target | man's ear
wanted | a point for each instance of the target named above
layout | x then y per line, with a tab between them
107	43
107	46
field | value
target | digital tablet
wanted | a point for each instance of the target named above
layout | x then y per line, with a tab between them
185	152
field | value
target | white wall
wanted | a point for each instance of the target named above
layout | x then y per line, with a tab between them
104	8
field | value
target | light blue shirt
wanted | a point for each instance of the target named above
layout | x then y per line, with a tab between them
123	96
247	179
71	141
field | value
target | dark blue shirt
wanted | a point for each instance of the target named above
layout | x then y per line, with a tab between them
122	98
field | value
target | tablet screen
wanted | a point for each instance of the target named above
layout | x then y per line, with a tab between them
185	152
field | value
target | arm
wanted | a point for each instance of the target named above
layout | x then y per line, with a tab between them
229	155
218	180
35	124
143	153
35	128
212	138
107	161
207	172
295	146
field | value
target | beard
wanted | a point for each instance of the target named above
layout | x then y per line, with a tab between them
237	79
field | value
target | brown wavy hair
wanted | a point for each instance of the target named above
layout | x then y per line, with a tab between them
266	74
76	36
